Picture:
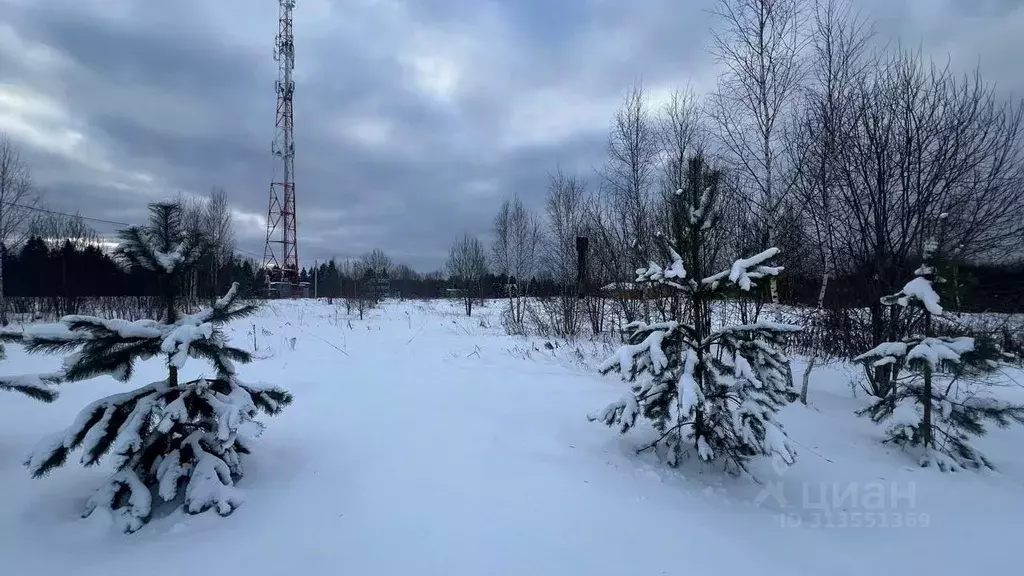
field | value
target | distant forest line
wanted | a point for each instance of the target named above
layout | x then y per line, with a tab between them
69	270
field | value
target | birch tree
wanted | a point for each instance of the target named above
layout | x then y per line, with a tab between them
625	216
838	43
516	253
759	45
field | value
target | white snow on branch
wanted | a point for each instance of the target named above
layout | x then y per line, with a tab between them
920	289
35	385
63	331
886	352
175	339
169	261
778	442
741	273
210	485
743	369
178	339
688	389
743	277
934	351
52	331
140	501
753	328
624	411
625	357
226	300
656	273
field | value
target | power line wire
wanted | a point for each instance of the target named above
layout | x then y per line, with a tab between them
58	213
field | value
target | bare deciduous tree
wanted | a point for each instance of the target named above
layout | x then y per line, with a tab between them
211	216
56	229
515	252
193	210
18	198
838	41
923	142
467	265
566	214
379	262
629	175
405	276
681	134
374	271
622	219
220	232
565	207
760	46
192	214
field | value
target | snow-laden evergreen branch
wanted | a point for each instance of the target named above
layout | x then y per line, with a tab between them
111	346
672	275
37	386
745	270
190	436
918	291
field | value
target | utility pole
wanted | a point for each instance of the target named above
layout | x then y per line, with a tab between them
316	278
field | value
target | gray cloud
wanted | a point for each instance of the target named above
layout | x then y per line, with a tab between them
414	120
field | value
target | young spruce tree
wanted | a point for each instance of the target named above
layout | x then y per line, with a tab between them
179	441
714	389
936	406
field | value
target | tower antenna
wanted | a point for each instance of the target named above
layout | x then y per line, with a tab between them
281	253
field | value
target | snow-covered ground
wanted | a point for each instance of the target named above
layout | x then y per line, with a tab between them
422	442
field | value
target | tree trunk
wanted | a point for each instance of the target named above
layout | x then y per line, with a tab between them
813	359
807	380
926	416
881	376
821	293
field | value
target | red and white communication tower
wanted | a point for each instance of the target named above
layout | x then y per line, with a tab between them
281	253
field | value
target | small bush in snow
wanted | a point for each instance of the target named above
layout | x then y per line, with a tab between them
169	439
936	405
715	390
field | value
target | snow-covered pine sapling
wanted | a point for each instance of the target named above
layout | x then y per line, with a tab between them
715	390
935	406
38	386
179	441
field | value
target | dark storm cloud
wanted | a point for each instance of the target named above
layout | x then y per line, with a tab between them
414	120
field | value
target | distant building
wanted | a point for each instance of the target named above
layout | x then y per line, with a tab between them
288	290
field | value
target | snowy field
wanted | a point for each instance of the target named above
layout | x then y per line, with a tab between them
423	442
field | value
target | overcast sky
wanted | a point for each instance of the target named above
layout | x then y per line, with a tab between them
414	118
